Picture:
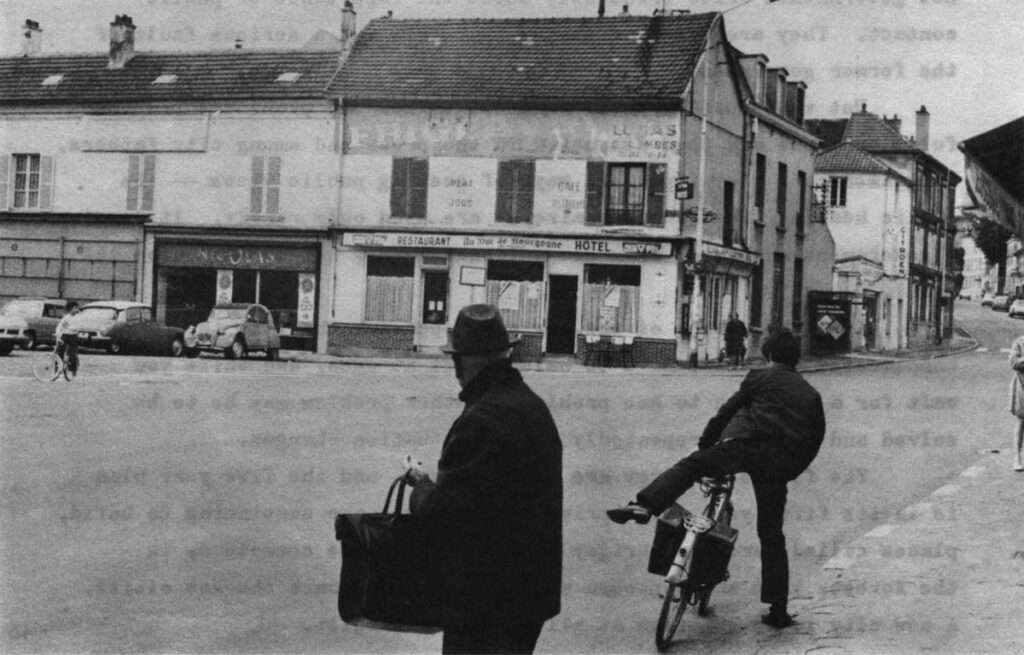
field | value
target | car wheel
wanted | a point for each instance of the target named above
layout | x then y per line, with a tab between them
191	353
177	347
237	349
31	343
273	354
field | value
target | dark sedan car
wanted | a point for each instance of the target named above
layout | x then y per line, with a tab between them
126	327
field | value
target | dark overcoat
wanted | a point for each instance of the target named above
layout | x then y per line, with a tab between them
498	503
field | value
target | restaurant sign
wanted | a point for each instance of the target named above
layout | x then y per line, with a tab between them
578	246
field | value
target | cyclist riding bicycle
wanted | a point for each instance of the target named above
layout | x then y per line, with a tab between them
771	429
67	339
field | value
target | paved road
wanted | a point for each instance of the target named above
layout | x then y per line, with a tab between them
160	505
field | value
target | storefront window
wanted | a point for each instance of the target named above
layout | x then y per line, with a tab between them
389	287
517	289
611	298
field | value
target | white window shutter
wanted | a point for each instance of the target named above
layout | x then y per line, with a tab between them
46	182
5	171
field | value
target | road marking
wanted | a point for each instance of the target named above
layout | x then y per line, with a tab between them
881	530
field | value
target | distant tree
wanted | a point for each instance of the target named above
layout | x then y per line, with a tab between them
990	237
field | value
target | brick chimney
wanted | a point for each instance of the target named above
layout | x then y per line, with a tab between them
122	41
348	26
921	133
33	43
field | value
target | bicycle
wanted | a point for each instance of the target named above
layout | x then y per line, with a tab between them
52	366
692	552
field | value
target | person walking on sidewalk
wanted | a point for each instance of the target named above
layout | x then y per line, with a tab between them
735	334
771	429
1017	398
498	495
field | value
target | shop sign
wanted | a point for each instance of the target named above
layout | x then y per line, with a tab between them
581	245
307	300
251	257
729	253
225	285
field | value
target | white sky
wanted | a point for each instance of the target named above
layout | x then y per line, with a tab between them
962	59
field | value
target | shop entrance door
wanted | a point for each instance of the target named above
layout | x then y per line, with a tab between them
435	297
562	314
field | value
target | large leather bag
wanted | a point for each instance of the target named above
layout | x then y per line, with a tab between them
390	579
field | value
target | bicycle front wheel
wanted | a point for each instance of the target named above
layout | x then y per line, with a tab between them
48	368
677	597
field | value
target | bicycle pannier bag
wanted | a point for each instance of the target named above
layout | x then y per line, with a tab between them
711	554
388	577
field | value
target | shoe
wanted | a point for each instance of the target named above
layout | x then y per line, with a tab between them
778	619
630	512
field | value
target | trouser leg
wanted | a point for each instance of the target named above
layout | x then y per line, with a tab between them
771	507
73	355
720	459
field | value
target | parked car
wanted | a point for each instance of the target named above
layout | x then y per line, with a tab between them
29	322
235	329
986	299
1016	308
120	326
1001	303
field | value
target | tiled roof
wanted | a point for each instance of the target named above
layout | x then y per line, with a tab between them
872	133
621	61
222	75
847	157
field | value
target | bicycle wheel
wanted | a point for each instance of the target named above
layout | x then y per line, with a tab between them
48	368
677	597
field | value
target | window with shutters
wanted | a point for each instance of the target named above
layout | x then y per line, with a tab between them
801	208
760	171
515	192
837	191
265	194
625	194
389	287
517	289
32	181
780	194
140	183
611	298
409	178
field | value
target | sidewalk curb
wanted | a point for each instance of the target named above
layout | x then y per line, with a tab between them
539	367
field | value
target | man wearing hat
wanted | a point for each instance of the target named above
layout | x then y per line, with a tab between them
497	498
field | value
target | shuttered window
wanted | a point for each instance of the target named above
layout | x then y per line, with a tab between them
409	187
265	194
625	194
515	192
140	183
32	182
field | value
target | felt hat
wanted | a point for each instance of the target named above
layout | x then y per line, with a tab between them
479	330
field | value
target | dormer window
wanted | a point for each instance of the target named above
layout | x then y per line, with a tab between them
53	80
166	79
288	77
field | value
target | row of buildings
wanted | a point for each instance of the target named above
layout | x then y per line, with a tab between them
580	173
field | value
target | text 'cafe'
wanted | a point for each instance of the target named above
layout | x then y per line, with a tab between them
400	291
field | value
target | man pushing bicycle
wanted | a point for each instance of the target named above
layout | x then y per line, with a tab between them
771	429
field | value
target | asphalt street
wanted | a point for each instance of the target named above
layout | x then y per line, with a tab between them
159	505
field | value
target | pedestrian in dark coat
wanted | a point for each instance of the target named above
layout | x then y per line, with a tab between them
771	429
735	334
497	498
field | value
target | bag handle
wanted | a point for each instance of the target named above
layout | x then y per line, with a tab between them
400	482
